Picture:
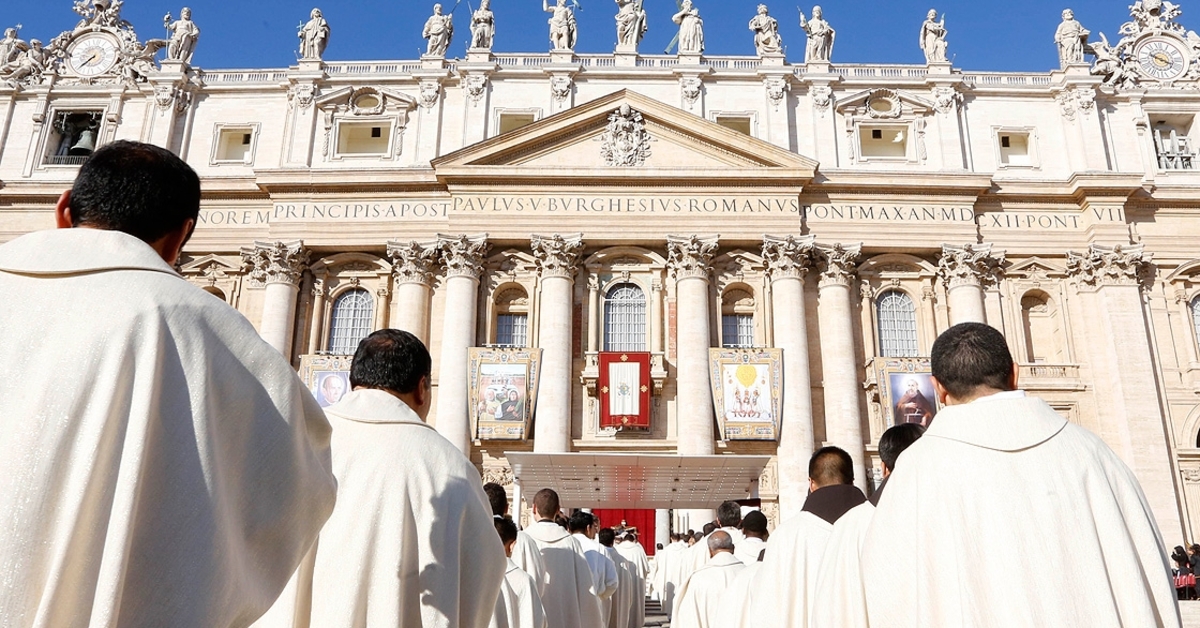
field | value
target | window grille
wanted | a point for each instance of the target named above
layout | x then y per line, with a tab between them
737	330
897	325
353	317
512	330
625	318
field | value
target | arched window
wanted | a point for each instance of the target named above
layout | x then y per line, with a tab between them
737	318
897	325
352	319
1043	332
512	318
625	318
215	291
1196	317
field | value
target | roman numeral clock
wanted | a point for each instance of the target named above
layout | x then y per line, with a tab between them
1162	58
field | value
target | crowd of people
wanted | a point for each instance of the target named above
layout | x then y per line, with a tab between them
165	466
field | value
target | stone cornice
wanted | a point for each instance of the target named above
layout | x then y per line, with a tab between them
1119	265
969	265
788	257
414	262
463	256
690	257
838	263
556	255
275	262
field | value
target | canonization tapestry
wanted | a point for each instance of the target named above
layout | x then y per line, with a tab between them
327	376
503	389
747	392
906	390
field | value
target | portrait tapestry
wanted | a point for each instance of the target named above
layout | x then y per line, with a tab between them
747	393
503	391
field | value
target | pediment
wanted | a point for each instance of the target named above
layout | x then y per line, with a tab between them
1035	267
884	104
628	135
365	100
208	265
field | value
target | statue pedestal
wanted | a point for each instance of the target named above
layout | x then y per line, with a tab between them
479	55
1077	70
433	62
689	58
562	56
170	66
940	67
773	59
816	67
626	56
311	65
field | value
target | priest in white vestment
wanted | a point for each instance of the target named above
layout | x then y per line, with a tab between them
583	527
627	581
519	605
700	598
754	537
735	607
570	600
525	553
784	588
1002	498
666	569
411	541
161	464
639	564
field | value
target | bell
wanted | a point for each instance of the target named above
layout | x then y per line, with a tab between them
85	145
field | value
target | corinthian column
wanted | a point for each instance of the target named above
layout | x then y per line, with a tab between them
788	260
414	265
839	364
463	258
965	270
557	257
277	267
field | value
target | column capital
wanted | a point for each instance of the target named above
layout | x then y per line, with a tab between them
275	262
557	255
969	265
463	255
788	257
414	262
1119	265
838	263
690	257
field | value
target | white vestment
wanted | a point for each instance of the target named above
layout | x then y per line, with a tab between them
569	599
639	567
528	557
990	513
782	593
635	553
839	601
604	573
161	465
674	559
411	541
622	600
735	609
519	605
748	549
700	598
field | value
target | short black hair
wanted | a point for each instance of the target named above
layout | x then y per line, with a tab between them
831	465
895	440
580	521
390	359
969	356
754	521
708	528
729	514
139	189
497	497
545	503
606	536
506	529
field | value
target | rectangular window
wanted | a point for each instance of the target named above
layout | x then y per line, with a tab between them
1014	149
364	138
889	142
512	330
737	330
73	137
514	121
741	124
235	145
1173	142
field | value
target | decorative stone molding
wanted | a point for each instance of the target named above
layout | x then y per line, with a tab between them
884	104
560	87
777	89
1119	265
788	257
1191	475
768	482
822	96
302	95
689	87
275	262
838	263
476	86
320	288
970	265
557	256
1074	100
463	255
431	93
498	475
946	99
690	257
625	141
414	262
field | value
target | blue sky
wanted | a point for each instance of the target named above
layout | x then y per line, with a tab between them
1012	35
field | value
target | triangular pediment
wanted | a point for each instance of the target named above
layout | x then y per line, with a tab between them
884	103
1036	267
628	135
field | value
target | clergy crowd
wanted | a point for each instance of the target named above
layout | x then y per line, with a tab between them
163	466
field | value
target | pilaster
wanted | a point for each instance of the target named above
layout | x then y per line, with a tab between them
304	83
430	108
477	87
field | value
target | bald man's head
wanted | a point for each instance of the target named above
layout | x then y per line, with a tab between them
830	466
718	542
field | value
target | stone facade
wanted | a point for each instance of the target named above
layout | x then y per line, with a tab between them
1060	208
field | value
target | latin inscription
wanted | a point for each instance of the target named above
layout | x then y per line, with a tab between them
326	212
627	205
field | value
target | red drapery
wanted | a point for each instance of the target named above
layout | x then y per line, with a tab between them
643	520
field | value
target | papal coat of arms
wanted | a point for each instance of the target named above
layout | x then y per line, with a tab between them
625	141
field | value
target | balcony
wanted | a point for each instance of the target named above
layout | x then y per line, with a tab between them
591	371
1050	377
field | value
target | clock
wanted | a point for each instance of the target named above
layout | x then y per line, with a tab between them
1162	58
92	55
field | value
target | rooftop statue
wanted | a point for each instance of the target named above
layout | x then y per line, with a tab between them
314	37
439	30
691	28
631	23
933	38
820	36
184	35
100	13
562	25
11	47
766	33
483	26
1071	38
27	67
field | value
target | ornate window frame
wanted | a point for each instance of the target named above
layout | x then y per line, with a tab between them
346	106
1031	135
221	128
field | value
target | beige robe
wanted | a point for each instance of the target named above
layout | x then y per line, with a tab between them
622	600
839	600
161	465
782	593
748	549
1005	514
519	605
570	601
735	608
528	557
674	558
411	541
639	566
700	598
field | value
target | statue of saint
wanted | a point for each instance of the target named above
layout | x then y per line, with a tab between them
184	34
314	37
766	33
483	26
691	29
562	25
11	47
631	22
820	37
933	38
439	30
1071	38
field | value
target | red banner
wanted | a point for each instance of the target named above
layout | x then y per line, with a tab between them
640	520
624	388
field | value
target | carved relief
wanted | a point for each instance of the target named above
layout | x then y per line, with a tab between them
625	141
838	263
557	256
476	85
275	262
1191	475
431	92
414	262
822	96
946	99
970	264
1120	265
884	103
690	256
302	95
498	475
689	87
777	89
788	257
1075	100
463	255
560	88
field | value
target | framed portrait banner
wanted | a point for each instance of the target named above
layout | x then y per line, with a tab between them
503	388
747	392
327	376
624	386
906	390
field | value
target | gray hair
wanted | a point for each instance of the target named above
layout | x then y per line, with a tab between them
720	541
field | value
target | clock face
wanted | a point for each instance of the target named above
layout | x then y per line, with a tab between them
1162	58
93	55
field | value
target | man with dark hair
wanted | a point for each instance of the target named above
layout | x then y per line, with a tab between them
162	465
411	541
700	597
893	442
754	537
1002	489
582	525
750	552
519	605
525	553
570	598
729	516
